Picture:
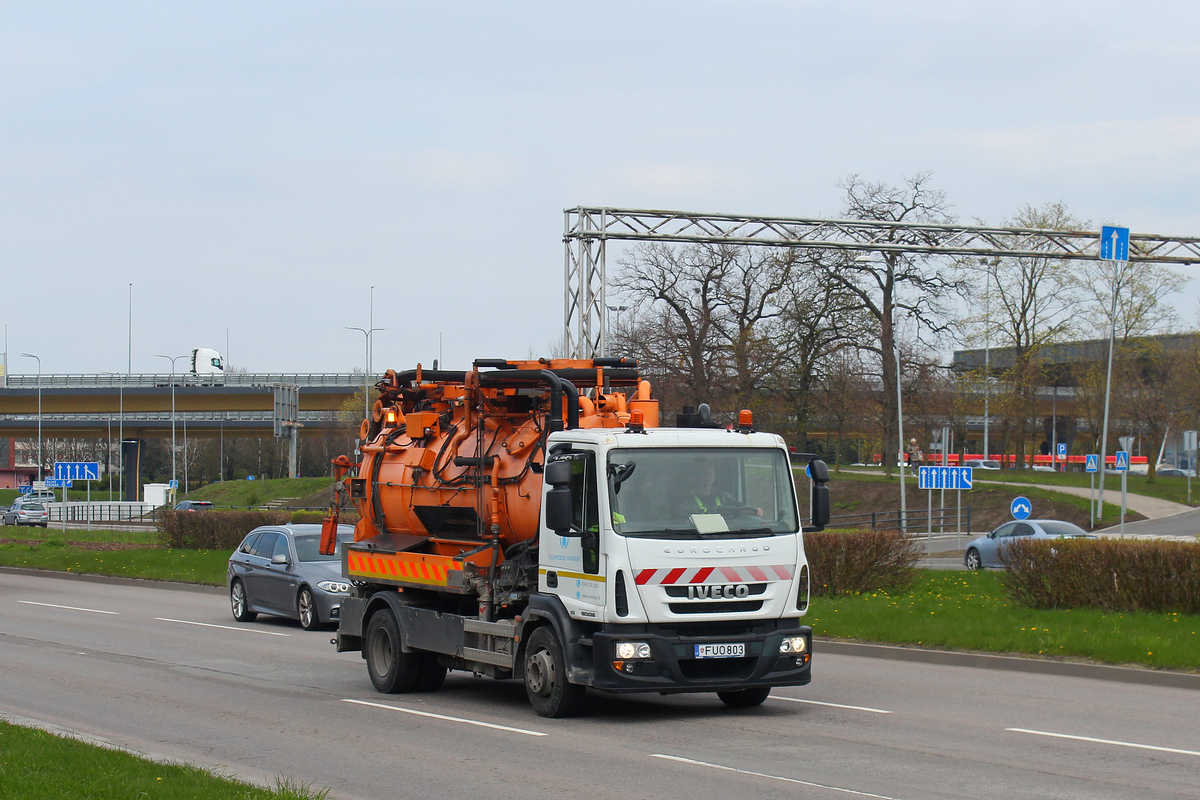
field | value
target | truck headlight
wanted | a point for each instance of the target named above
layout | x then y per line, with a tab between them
334	587
793	644
628	650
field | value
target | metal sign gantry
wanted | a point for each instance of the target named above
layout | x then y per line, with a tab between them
587	229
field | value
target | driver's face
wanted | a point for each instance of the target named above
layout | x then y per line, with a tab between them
705	476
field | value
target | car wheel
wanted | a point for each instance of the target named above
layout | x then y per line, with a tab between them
391	669
744	698
546	677
237	602
972	560
306	609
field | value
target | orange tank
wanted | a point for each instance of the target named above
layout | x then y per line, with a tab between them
455	457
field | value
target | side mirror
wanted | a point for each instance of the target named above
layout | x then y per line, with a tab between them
559	510
818	473
557	473
279	559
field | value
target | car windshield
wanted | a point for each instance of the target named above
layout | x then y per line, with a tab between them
308	547
690	493
1059	528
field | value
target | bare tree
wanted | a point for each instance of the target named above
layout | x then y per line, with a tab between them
703	317
895	285
1031	306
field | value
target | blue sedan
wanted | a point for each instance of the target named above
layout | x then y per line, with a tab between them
987	551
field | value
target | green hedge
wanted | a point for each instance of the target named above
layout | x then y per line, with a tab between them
1110	574
224	530
853	562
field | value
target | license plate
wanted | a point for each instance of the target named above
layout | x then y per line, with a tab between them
727	650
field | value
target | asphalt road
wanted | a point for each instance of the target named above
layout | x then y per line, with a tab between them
169	673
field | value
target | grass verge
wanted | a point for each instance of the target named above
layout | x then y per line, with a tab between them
972	611
36	765
152	563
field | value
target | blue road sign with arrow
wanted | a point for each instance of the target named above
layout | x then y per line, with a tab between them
1114	243
1093	462
945	477
77	470
1021	508
1122	462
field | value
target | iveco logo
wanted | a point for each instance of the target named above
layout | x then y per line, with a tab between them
726	550
728	591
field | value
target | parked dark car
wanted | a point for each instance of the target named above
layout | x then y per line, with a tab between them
194	505
278	570
988	551
24	512
1171	472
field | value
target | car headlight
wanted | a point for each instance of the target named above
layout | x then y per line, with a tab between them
628	650
334	587
793	644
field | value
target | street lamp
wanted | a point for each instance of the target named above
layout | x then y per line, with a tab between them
172	359
866	258
366	364
39	388
616	323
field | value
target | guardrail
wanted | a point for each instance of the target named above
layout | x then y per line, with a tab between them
941	520
101	511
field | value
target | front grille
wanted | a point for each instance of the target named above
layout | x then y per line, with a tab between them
715	608
699	669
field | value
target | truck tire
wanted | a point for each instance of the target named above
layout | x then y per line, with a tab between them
744	698
237	603
433	674
392	670
546	677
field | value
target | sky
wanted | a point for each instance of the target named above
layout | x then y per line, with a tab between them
238	175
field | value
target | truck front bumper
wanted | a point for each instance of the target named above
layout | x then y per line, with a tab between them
676	664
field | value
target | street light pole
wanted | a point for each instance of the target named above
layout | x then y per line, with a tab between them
616	323
39	388
172	359
366	364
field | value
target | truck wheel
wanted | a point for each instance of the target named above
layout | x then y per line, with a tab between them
546	677
391	669
306	609
744	698
237	602
433	674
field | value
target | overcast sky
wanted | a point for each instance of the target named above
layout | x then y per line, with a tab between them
255	167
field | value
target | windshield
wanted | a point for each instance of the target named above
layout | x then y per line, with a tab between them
1060	528
308	547
692	492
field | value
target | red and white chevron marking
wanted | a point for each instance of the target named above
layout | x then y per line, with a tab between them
679	576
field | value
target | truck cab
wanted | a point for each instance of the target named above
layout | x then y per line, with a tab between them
672	559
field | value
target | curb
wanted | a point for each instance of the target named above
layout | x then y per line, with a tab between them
1040	666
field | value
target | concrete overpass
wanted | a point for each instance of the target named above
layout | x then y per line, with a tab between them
87	406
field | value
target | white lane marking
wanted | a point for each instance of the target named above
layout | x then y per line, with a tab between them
68	608
444	717
1107	741
222	627
831	705
771	777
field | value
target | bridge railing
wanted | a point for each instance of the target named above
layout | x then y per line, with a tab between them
305	380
